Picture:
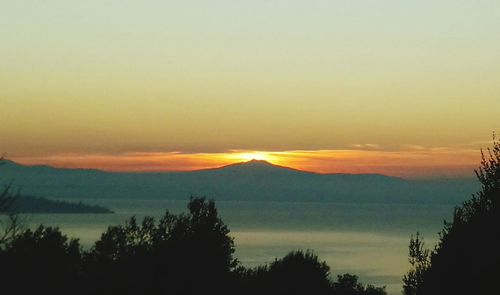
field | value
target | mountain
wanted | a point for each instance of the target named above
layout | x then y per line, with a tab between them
249	181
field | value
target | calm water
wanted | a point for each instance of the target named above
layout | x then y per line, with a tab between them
370	240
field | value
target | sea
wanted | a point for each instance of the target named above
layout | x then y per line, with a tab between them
368	240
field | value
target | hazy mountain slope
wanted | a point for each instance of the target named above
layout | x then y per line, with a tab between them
250	181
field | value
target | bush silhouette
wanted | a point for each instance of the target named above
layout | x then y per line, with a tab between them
297	273
300	272
43	260
466	259
189	253
348	284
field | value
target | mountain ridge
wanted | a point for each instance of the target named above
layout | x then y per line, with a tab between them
244	164
245	181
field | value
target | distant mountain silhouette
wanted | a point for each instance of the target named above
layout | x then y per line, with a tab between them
248	181
258	166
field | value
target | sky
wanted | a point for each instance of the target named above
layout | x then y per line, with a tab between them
404	88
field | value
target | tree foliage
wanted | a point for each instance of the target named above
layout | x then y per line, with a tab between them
298	272
419	258
188	253
466	259
40	260
10	221
181	254
348	284
301	272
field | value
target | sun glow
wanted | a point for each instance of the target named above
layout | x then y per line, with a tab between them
403	163
248	156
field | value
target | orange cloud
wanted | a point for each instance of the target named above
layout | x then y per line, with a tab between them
437	162
413	162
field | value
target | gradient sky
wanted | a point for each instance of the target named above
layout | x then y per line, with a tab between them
409	88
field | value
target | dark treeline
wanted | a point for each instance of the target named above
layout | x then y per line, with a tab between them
30	204
189	253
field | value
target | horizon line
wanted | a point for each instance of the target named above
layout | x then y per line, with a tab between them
429	177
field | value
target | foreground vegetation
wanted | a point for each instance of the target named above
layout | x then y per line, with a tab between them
466	259
189	253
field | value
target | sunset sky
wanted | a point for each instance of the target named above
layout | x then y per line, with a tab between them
405	88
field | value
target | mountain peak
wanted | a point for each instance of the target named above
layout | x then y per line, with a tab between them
255	165
258	162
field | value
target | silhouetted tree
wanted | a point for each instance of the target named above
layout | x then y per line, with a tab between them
41	261
419	258
10	220
348	284
300	272
181	254
297	273
188	253
466	259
